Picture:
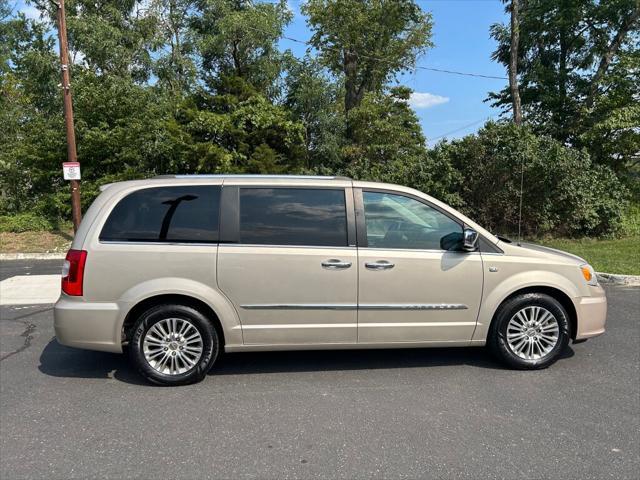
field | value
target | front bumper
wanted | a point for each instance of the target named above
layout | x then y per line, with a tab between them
81	324
592	314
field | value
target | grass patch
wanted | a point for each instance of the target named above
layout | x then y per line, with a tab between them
35	242
620	255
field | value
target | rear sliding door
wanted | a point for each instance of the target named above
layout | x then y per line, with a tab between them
289	264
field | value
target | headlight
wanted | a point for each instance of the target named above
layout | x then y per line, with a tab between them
589	274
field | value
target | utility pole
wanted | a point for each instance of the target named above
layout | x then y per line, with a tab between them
68	111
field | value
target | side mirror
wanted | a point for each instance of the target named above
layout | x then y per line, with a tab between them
469	240
451	242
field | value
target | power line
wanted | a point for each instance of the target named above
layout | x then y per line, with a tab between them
484	119
453	72
431	69
380	59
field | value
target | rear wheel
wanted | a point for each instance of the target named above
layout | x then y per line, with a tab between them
530	331
173	345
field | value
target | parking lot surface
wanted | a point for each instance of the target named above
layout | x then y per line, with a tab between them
436	413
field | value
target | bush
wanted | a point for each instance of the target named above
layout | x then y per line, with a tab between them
564	193
24	222
631	221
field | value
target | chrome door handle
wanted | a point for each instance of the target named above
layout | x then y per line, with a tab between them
379	265
335	264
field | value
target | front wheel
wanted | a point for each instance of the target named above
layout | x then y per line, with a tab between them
530	331
173	345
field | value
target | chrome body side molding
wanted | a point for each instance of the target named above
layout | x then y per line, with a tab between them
299	306
416	306
346	306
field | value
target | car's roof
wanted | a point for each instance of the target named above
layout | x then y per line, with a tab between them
232	179
251	176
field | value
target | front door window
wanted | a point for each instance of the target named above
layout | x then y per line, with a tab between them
396	221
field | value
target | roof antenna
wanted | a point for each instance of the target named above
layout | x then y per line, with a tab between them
521	195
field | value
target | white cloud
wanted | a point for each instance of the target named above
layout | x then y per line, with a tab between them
426	100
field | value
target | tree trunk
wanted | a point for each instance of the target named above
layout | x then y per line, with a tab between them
236	58
351	86
351	81
513	63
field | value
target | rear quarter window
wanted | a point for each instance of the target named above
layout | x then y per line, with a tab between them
166	214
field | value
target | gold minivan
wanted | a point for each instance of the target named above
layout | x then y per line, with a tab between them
175	269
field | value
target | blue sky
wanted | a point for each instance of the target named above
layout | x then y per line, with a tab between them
447	105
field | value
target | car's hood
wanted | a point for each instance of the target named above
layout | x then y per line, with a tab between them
552	251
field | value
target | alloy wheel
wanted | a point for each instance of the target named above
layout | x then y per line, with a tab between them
172	346
532	333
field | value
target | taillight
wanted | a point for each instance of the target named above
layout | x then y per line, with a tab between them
73	272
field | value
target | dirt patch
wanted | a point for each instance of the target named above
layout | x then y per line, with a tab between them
35	242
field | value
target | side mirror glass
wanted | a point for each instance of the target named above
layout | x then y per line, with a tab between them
451	242
469	240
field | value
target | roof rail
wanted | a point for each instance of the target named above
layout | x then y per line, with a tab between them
305	177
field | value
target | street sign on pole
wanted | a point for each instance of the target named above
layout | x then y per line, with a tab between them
71	170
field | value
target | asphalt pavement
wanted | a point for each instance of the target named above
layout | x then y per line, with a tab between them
433	413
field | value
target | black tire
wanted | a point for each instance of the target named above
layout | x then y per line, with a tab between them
210	344
497	338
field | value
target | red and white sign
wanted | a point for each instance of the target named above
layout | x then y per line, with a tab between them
71	170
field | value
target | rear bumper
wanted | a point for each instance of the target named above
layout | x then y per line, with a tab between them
80	324
592	314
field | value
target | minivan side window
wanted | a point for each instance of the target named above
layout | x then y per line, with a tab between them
396	221
293	216
187	214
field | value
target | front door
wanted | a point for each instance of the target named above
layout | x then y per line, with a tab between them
410	288
292	274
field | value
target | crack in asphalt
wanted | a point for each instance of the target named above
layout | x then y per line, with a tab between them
27	333
30	328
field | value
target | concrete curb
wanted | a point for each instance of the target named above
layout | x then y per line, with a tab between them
33	256
617	279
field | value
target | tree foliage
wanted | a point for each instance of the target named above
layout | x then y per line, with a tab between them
314	98
368	41
238	38
579	74
184	86
388	146
564	193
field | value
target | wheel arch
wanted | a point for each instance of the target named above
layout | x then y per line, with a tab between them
554	293
179	290
166	299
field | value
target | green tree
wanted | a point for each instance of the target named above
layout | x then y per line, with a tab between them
175	63
579	74
29	103
109	37
388	146
237	131
367	41
179	86
239	38
314	99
